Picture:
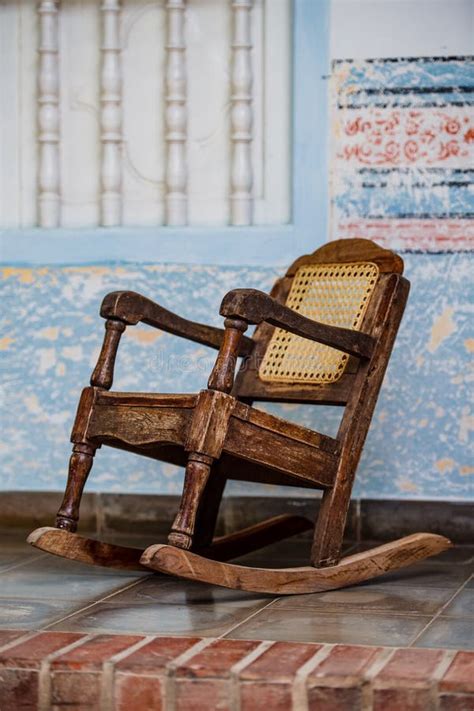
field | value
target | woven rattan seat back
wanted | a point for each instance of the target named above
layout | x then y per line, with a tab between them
335	294
339	284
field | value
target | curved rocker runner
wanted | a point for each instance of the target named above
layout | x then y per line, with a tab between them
324	336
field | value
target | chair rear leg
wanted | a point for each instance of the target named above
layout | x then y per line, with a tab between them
329	530
195	480
80	465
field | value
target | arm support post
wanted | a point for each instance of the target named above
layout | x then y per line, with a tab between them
254	306
103	374
222	375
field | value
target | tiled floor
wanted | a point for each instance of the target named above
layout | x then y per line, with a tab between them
428	605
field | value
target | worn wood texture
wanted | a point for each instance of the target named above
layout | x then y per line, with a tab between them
222	374
255	307
195	479
252	538
290	581
80	463
89	550
210	421
351	250
70	545
133	308
356	421
218	434
103	374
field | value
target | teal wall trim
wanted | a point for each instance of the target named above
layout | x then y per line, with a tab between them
271	245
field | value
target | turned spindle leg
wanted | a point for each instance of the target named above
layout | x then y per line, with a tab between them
79	467
196	476
83	451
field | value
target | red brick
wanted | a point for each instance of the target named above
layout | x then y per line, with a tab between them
336	684
156	654
411	665
132	691
280	662
456	702
7	636
78	689
76	675
217	659
404	697
202	695
18	689
94	652
267	682
30	653
406	681
20	664
336	697
268	696
459	677
344	660
139	677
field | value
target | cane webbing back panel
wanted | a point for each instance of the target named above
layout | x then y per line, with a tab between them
336	294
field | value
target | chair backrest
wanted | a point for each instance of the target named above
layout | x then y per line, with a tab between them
342	284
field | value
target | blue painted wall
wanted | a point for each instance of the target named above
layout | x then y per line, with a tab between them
53	282
417	447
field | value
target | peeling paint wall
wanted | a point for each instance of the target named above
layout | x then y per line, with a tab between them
403	151
418	446
400	174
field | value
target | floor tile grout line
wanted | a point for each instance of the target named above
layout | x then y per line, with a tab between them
34	558
124	589
439	613
87	607
250	617
355	611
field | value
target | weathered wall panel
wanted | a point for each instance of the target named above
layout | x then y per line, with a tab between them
403	152
418	445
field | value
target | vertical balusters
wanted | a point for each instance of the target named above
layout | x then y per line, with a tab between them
48	115
241	177
111	115
175	115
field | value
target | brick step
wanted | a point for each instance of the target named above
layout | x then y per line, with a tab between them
46	670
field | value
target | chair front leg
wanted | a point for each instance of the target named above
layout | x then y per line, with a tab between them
83	450
206	438
195	480
80	465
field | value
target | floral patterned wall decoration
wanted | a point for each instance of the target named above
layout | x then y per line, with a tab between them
403	152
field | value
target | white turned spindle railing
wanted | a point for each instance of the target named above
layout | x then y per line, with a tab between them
111	115
175	115
241	174
48	115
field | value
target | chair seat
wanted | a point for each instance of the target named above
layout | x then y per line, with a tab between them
274	450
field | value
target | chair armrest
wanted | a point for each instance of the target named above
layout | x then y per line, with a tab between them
132	308
255	306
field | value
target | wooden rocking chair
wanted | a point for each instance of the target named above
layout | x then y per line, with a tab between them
323	336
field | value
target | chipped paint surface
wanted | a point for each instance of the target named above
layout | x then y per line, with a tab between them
403	151
419	442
